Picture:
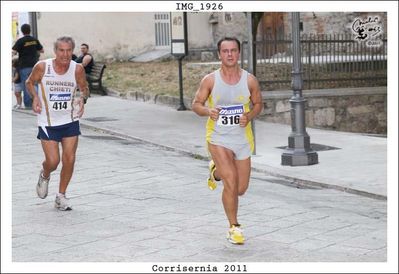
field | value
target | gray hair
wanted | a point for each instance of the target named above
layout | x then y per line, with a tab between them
66	39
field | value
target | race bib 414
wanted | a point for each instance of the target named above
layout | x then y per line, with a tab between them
230	115
59	101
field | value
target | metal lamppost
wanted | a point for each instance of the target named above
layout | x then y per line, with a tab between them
298	152
251	65
179	47
182	106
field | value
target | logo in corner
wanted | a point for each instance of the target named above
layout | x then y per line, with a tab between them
368	30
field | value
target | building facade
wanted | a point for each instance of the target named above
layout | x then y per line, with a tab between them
124	35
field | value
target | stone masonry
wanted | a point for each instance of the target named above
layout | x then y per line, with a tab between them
354	110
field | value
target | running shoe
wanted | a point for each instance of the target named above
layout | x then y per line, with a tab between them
211	180
62	203
42	186
235	235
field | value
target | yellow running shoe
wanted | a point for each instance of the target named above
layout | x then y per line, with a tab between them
211	180
235	236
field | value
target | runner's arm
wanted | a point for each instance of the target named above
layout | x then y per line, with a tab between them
80	75
202	94
35	77
256	97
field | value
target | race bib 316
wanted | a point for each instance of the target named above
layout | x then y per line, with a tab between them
230	115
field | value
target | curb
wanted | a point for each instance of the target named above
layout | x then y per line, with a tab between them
268	170
159	99
304	182
86	125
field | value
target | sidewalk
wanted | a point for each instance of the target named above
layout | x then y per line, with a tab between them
355	163
358	166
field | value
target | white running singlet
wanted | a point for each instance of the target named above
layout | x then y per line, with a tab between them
57	96
234	101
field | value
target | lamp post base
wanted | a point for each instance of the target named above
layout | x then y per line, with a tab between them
293	157
182	107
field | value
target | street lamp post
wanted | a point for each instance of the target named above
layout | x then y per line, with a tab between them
251	65
298	152
182	106
179	48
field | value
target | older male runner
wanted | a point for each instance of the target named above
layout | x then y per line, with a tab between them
58	109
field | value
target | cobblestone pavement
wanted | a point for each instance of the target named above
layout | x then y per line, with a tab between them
136	202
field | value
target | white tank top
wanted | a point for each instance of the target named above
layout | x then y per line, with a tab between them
57	96
234	100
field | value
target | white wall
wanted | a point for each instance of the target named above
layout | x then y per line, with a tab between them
114	35
109	34
199	30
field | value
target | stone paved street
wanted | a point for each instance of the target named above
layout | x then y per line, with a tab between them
137	202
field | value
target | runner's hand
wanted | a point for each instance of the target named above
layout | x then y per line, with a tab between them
214	113
244	120
36	105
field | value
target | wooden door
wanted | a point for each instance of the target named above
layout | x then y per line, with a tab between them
270	33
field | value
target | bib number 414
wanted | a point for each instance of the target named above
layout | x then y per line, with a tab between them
60	105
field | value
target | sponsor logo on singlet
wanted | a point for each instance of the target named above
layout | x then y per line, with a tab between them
60	97
231	110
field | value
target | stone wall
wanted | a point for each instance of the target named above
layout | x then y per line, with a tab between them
229	24
361	110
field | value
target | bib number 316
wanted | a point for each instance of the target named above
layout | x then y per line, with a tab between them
230	115
230	120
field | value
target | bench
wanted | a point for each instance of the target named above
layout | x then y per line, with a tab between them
94	78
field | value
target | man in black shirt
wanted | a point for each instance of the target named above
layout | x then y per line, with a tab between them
86	58
28	49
